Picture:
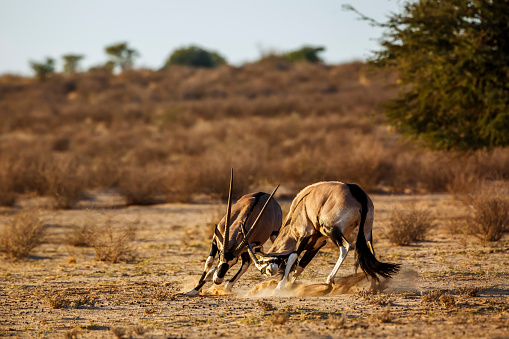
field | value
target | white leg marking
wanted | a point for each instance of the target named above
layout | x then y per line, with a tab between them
291	261
343	252
209	263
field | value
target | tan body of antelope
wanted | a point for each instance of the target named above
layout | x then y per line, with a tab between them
236	227
325	210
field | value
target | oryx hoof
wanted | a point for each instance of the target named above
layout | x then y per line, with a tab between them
193	293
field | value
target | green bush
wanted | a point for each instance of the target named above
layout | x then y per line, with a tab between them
452	58
305	54
195	57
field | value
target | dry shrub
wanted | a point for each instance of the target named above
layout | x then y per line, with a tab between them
114	243
409	225
24	232
490	215
82	236
66	182
278	318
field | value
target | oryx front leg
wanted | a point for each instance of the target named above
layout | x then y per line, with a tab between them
245	265
289	265
208	271
343	251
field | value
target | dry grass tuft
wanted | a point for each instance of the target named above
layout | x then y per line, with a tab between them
278	318
73	334
491	215
469	291
432	296
118	332
114	243
376	298
265	306
447	300
409	225
57	301
160	294
24	232
385	316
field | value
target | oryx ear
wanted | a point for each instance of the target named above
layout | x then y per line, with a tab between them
228	216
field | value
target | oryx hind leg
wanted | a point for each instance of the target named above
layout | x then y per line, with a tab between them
306	259
246	261
208	271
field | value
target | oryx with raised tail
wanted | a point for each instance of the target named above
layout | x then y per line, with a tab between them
325	210
245	223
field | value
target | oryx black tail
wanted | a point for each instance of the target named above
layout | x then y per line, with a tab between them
365	259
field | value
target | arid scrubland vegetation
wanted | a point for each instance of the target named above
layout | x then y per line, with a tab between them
172	135
89	143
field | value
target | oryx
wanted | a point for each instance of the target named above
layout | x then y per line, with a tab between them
325	210
245	220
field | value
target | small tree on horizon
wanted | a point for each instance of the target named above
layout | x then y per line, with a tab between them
43	70
121	55
452	59
195	57
71	62
305	54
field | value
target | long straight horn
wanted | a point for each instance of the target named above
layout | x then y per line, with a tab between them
246	238
226	238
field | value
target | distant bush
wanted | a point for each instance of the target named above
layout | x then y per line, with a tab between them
24	232
409	225
195	57
43	70
306	53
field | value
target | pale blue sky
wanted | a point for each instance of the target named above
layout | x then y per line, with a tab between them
239	30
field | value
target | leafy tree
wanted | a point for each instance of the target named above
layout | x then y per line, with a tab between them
452	58
306	53
71	62
195	57
121	55
43	70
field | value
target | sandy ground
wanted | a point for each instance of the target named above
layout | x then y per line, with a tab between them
62	291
